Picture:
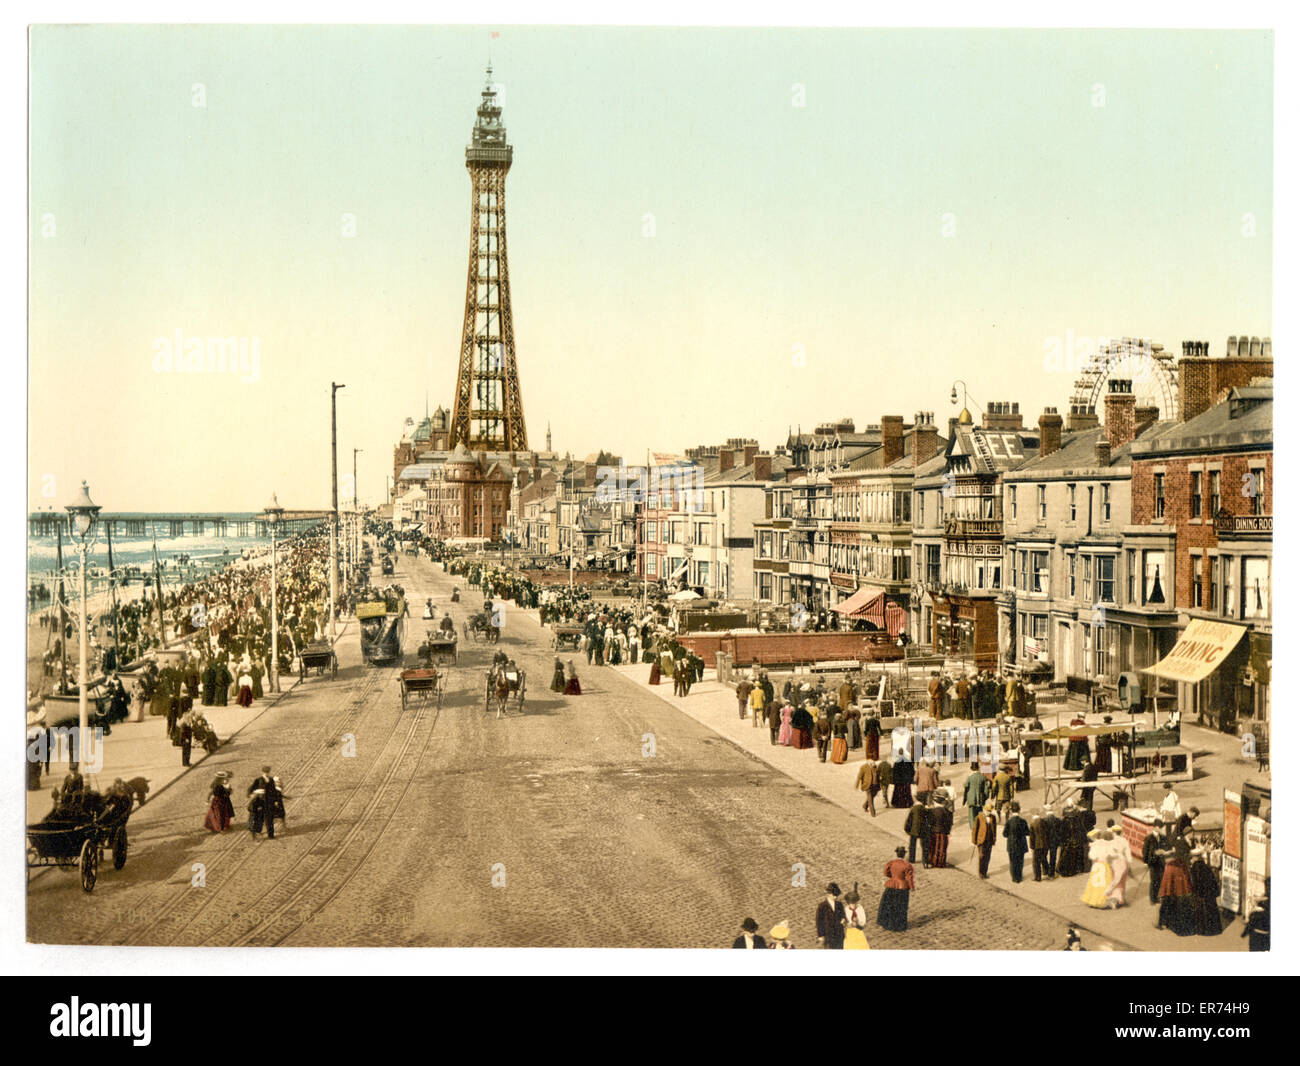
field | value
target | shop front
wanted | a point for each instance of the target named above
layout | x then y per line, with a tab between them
1217	681
966	628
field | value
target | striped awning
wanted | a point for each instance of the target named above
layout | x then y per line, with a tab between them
875	608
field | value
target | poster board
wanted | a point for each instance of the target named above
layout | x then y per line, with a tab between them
1230	881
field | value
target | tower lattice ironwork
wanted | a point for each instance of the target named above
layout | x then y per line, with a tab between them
489	412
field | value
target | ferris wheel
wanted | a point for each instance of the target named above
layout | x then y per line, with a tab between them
1153	371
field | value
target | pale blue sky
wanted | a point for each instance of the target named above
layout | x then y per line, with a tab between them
774	226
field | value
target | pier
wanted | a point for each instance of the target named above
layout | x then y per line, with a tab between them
43	524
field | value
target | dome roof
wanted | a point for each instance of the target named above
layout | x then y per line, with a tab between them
965	418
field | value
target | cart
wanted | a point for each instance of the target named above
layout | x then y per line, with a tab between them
480	625
506	683
566	637
321	656
422	685
77	840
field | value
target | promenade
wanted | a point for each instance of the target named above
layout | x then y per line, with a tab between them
714	705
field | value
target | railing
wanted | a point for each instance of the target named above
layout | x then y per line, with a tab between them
973	527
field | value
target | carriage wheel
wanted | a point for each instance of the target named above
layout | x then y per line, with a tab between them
119	849
89	865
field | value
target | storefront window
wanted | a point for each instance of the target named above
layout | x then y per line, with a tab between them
1229	587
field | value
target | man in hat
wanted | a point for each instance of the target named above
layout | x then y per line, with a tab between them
1155	849
266	802
983	834
831	919
1038	842
1016	833
743	689
749	938
855	915
1052	825
927	780
935	689
975	791
917	827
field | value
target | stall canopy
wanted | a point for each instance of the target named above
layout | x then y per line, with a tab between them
875	609
1199	651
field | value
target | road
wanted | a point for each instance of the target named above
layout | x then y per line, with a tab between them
603	820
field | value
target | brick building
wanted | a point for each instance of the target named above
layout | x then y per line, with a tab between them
1203	495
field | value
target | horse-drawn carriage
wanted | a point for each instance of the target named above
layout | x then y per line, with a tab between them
386	565
77	838
566	637
439	647
481	625
319	655
506	683
422	685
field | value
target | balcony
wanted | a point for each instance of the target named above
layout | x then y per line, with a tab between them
972	527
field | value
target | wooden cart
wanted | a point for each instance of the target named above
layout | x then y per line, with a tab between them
422	685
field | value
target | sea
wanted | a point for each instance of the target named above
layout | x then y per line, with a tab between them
182	559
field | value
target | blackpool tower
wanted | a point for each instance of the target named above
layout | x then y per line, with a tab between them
489	413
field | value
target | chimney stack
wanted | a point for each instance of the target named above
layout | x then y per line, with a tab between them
726	459
1003	415
1120	413
925	438
762	467
1103	451
1082	416
751	450
891	437
1049	431
1144	416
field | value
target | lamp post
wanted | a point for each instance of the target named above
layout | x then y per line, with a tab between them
273	512
965	396
334	504
83	513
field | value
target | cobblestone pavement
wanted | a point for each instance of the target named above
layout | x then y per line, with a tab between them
554	827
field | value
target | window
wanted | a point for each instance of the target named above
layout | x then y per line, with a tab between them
1105	503
920	508
932	564
1074	507
1198	575
1256	486
1159	495
1105	579
1255	587
1153	577
1041	580
1101	650
1213	605
1011	499
1216	498
1229	587
1130	568
1042	503
1087	579
1196	494
1070	560
1024	571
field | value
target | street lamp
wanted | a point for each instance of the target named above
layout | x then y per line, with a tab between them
965	396
83	513
274	512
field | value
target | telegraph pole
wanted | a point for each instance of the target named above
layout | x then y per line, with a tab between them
356	509
334	504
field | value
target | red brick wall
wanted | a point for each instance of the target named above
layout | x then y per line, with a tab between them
1195	536
780	648
1203	382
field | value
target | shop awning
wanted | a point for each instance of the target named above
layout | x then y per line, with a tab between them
854	603
875	609
1199	651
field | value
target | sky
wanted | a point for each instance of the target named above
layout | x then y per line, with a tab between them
712	233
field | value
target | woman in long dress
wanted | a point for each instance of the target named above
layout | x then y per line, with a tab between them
221	812
839	740
1100	877
1076	752
572	687
902	775
1205	899
786	734
245	698
557	679
1177	911
1119	863
802	723
900	880
871	736
655	673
